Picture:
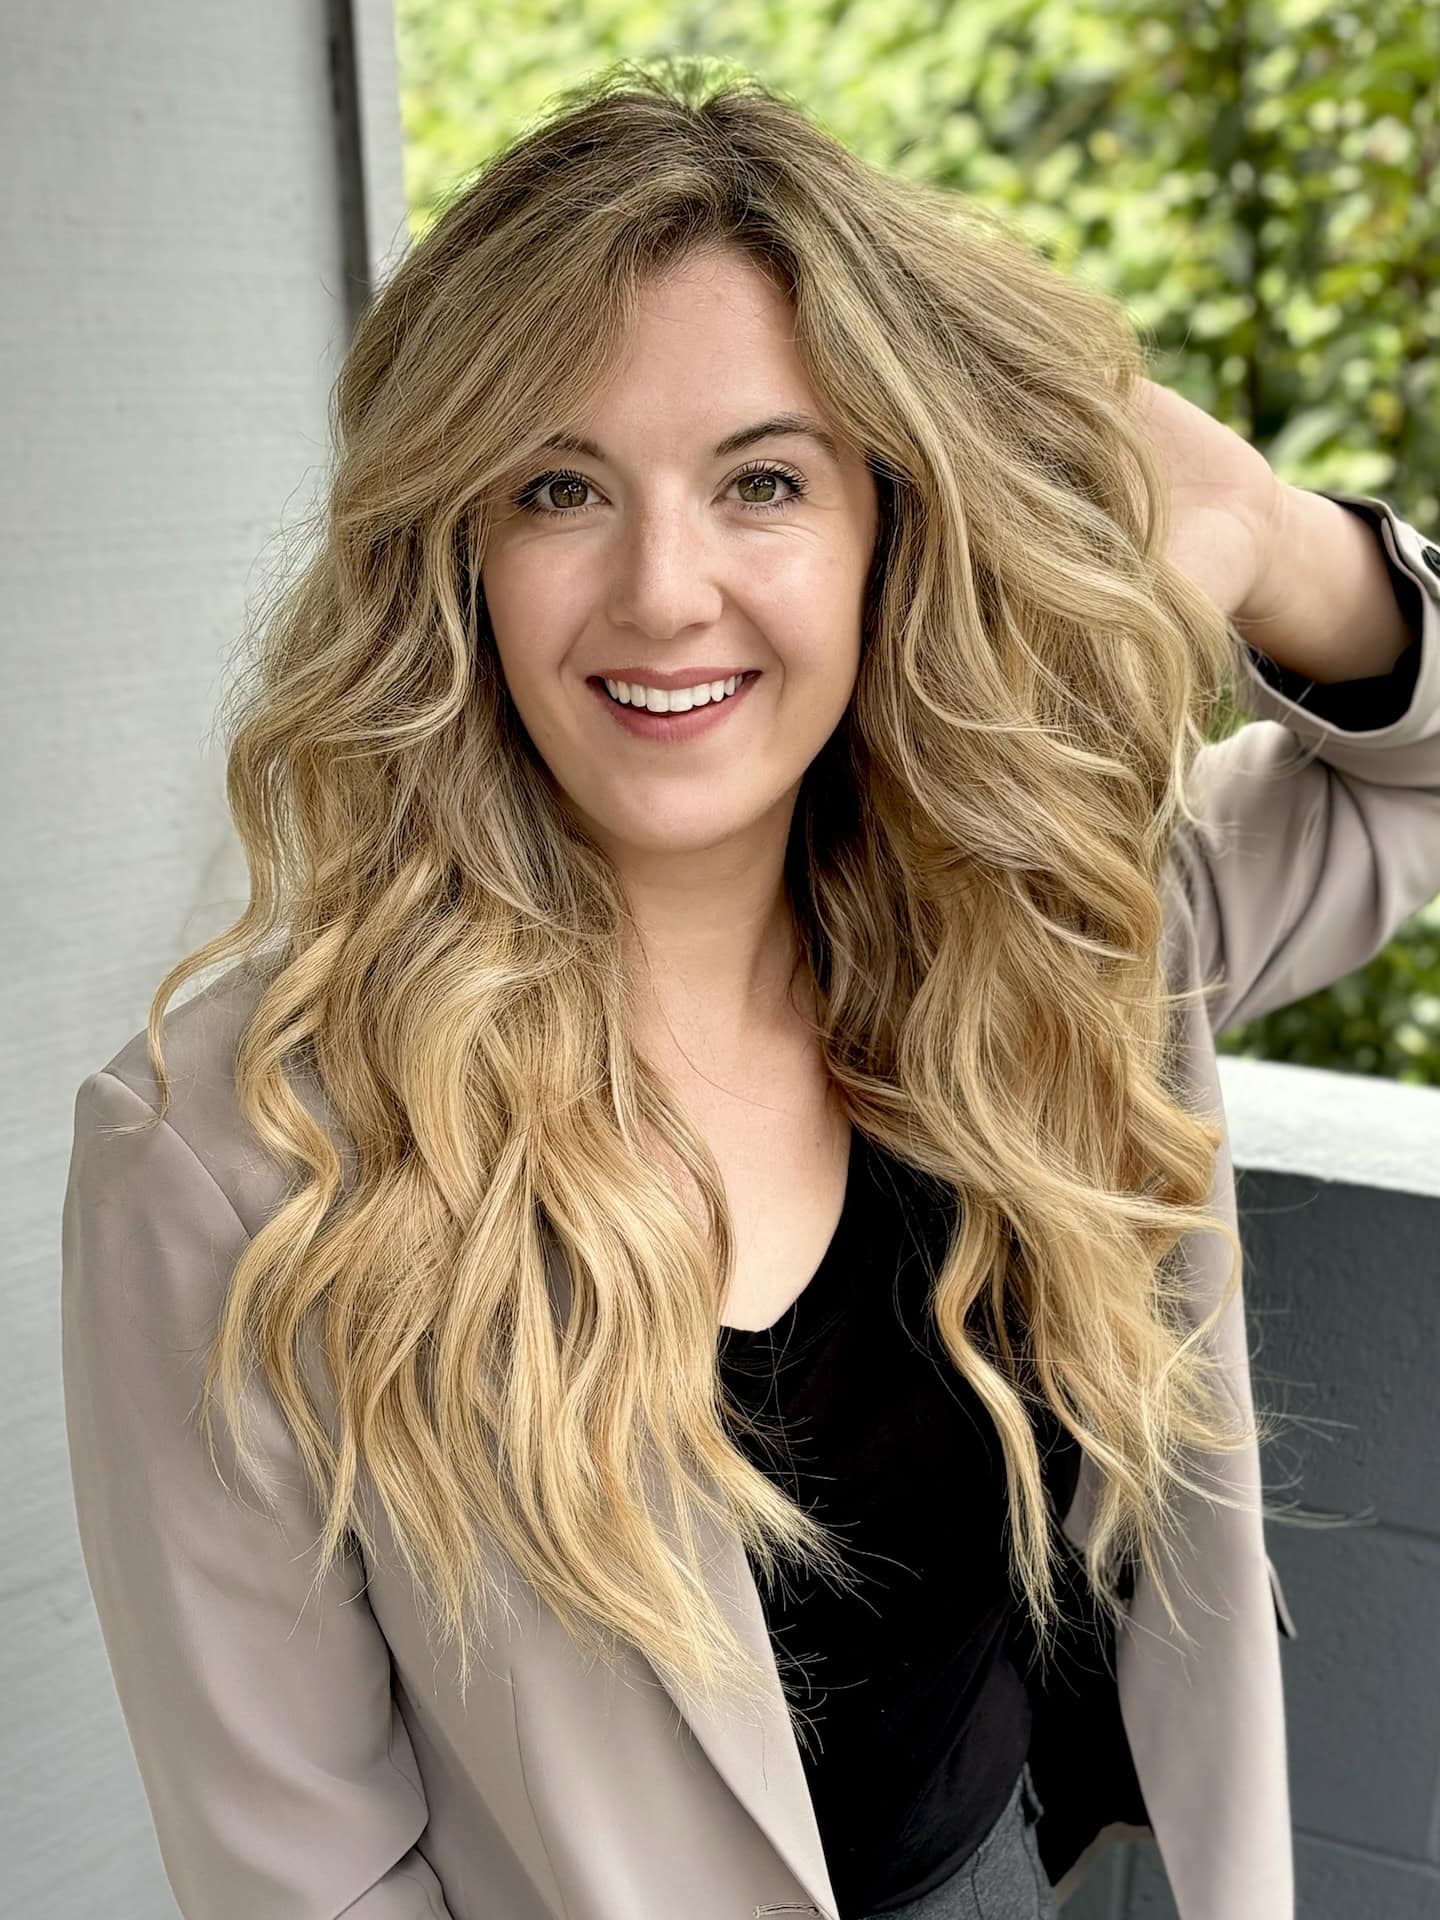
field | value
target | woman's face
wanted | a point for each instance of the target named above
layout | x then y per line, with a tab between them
669	559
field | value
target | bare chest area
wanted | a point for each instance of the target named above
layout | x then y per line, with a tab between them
786	1204
783	1147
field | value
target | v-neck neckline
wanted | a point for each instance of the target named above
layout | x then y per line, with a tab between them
801	1310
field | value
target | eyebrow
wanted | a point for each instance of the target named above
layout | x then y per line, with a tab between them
796	424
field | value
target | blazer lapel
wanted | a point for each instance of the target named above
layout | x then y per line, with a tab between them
758	1758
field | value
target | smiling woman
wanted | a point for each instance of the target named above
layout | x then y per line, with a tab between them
584	980
578	1041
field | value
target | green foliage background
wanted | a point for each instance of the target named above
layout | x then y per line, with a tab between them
1257	180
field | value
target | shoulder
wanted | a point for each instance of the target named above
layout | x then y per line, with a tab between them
200	1038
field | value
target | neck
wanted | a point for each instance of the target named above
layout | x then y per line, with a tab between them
712	965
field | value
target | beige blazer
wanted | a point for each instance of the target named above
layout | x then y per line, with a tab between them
304	1765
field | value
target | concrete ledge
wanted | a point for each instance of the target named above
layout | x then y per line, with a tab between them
1346	1127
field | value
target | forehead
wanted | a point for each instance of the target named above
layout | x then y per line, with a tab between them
710	369
711	354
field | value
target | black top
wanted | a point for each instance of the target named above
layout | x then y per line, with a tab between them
912	1688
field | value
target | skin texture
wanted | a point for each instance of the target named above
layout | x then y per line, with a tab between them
1225	501
661	559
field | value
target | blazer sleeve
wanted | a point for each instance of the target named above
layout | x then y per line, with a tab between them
1320	818
280	1778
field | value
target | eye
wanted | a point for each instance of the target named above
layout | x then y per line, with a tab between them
529	498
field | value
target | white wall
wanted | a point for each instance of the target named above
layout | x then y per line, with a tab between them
195	194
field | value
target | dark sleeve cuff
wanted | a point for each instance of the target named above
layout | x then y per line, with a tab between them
1358	705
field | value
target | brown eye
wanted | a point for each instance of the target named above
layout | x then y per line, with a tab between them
573	484
760	480
767	476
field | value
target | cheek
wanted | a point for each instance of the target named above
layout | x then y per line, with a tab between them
521	616
821	648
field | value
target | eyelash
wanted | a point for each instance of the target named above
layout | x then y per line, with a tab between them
526	500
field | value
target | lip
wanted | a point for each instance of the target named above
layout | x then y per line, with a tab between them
673	726
669	677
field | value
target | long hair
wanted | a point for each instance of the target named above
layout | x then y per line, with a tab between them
977	870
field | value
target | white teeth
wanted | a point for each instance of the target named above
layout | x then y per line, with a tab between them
658	700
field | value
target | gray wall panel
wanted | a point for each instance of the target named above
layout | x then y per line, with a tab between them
172	318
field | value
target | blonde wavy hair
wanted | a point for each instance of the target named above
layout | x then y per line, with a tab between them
976	867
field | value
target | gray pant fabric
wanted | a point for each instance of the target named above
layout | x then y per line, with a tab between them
1002	1879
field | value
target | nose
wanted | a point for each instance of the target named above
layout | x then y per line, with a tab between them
666	579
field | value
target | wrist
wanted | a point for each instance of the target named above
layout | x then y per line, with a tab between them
1322	605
